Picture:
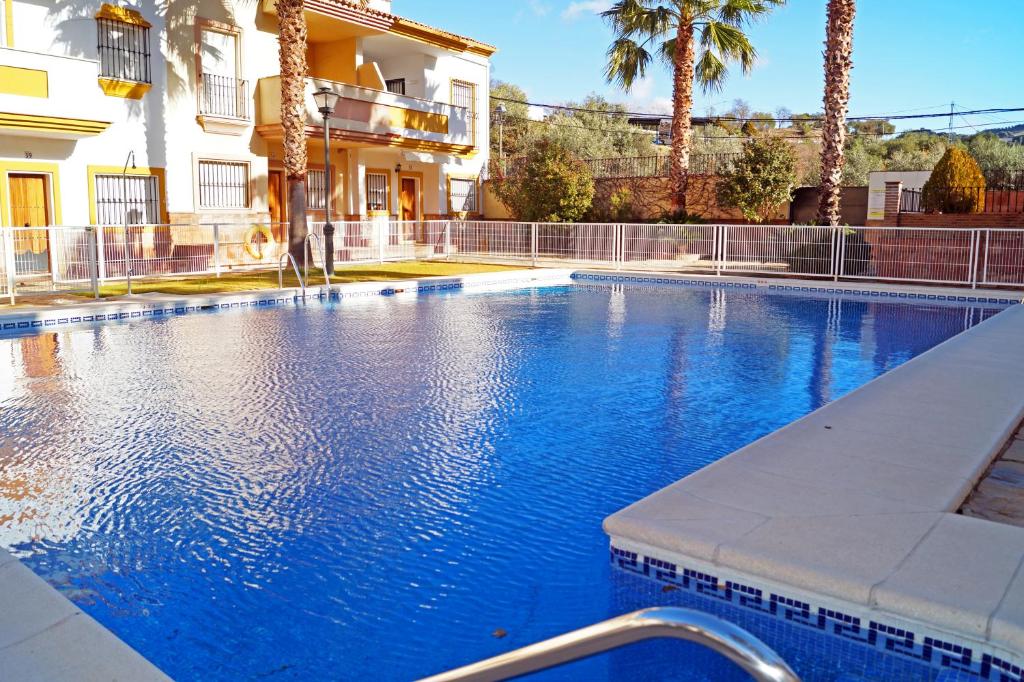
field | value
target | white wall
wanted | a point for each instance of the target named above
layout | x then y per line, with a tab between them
876	187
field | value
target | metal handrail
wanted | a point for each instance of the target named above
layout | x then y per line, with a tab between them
733	642
295	266
305	257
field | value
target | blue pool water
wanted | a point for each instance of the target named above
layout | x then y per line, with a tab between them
376	488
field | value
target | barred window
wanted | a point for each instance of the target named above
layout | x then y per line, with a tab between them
123	50
463	193
464	95
135	197
395	85
377	192
223	184
315	190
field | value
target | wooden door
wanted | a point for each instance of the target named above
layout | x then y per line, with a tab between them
30	207
276	203
407	200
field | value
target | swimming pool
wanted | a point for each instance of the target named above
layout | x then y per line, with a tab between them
399	485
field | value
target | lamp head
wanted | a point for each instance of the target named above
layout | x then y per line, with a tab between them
326	99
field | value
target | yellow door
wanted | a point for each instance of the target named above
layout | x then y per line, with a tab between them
30	207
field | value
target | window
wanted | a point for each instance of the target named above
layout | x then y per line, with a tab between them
223	184
464	95
124	50
463	195
134	196
223	93
395	85
377	196
315	190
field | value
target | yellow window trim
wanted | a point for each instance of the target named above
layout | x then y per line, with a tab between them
123	14
51	169
51	123
124	89
158	173
462	176
386	172
472	109
15	80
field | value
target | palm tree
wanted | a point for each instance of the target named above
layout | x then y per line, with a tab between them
838	61
697	39
292	38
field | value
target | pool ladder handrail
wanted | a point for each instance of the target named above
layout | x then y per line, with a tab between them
306	251
733	642
295	267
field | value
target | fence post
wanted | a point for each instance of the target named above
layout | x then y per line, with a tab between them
975	257
52	256
93	264
216	249
723	239
10	264
447	240
984	269
533	244
383	227
619	250
836	237
842	253
101	255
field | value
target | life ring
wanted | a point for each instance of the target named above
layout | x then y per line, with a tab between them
254	247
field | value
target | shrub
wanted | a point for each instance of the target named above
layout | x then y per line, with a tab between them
761	179
956	185
550	185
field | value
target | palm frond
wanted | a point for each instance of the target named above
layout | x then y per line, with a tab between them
627	62
639	19
710	71
720	44
740	12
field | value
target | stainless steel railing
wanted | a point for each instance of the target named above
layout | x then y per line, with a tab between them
295	267
736	644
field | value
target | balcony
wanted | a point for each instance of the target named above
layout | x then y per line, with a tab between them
223	104
370	118
39	91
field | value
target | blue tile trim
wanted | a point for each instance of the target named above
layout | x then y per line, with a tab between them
832	289
886	638
254	303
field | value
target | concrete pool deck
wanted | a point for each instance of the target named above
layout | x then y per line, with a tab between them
851	508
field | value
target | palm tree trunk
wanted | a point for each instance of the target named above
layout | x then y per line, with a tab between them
682	109
292	39
838	62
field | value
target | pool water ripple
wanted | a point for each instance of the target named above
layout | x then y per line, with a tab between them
374	487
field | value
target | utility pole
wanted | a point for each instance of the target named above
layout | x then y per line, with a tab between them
952	105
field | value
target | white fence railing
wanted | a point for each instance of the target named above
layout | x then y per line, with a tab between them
76	259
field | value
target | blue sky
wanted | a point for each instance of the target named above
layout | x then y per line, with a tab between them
915	55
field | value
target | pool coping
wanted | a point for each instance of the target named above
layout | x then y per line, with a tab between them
44	635
844	520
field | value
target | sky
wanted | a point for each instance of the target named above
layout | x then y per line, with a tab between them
910	56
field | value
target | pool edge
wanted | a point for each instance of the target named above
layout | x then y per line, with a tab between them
898	576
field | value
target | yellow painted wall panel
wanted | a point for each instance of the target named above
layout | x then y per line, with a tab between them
24	82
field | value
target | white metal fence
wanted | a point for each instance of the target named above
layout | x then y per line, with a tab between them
76	259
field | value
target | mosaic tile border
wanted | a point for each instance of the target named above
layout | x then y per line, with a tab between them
825	289
116	312
887	639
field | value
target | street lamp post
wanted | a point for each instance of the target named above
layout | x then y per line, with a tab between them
326	99
500	111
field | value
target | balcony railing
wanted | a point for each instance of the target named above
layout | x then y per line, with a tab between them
370	115
964	200
224	96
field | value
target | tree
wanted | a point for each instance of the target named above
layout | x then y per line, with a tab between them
670	28
761	179
292	38
550	185
872	126
838	62
510	132
956	184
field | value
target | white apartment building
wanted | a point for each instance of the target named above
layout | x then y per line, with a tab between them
169	111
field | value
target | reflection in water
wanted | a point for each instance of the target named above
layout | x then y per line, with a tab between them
284	490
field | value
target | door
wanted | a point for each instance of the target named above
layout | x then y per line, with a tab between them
30	207
275	201
408	205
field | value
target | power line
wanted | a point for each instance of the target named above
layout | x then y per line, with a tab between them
791	119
